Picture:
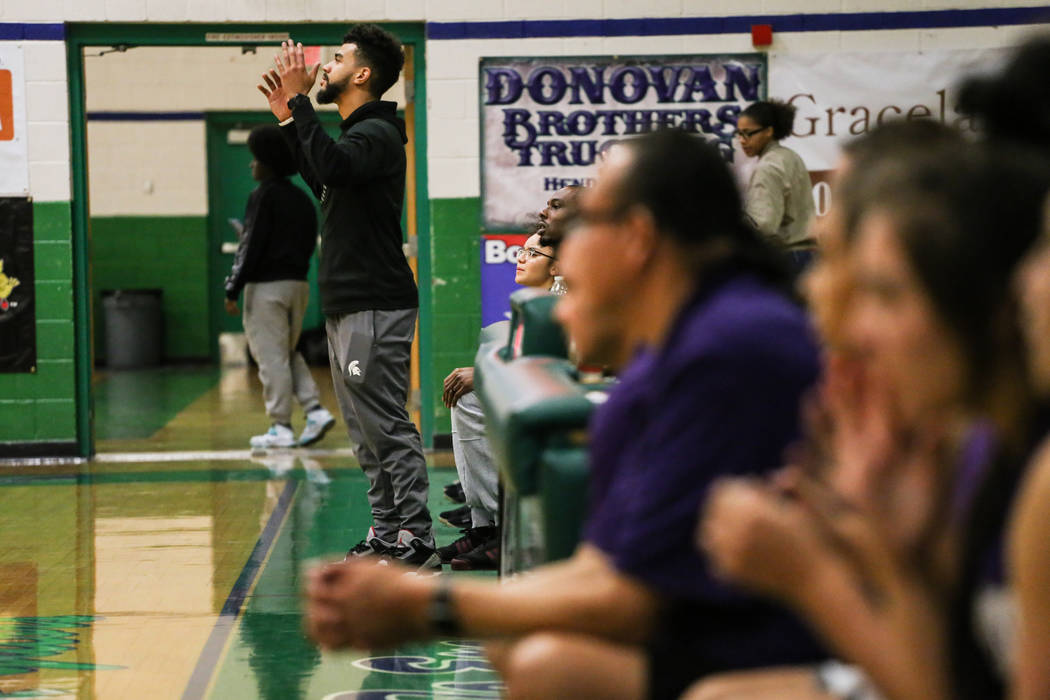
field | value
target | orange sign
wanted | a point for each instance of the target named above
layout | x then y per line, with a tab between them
7	107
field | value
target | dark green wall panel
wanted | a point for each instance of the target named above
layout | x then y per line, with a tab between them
170	253
40	406
456	306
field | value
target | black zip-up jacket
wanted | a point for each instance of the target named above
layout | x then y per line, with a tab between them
280	234
360	181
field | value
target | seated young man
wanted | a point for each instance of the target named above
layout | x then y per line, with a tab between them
666	282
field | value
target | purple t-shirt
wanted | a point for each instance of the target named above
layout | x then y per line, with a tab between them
720	398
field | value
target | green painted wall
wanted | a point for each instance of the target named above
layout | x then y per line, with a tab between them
40	406
456	300
170	253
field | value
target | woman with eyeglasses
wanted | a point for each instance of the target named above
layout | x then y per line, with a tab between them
779	197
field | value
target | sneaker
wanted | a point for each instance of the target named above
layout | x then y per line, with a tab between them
277	436
472	537
454	492
483	557
417	554
318	422
457	517
372	546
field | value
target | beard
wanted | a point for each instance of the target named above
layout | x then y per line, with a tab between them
330	91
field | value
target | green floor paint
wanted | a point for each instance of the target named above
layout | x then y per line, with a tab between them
268	657
134	404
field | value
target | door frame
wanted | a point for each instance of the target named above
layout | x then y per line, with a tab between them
82	35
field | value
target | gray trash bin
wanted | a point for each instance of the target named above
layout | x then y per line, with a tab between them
134	330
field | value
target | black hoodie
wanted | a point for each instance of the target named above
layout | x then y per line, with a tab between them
360	180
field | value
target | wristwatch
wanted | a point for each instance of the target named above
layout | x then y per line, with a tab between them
297	100
441	614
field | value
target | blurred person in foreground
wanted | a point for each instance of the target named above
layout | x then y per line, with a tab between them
669	284
901	585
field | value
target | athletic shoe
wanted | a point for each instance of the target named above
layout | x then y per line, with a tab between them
416	554
277	436
483	557
472	537
454	492
318	422
372	546
457	517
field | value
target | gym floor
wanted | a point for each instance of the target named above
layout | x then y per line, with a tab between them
170	565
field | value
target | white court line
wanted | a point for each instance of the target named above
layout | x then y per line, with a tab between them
215	455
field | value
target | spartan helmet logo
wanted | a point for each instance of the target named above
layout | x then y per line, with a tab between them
353	369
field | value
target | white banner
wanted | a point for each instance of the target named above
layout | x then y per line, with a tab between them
843	95
14	159
546	120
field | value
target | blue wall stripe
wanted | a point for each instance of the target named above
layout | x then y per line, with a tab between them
671	26
145	116
33	31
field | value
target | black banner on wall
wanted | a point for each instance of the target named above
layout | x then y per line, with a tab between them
17	290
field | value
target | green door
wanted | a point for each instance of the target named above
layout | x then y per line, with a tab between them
229	184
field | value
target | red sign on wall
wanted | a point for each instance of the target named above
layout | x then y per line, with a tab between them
7	107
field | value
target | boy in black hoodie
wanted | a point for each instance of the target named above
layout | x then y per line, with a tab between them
280	234
368	294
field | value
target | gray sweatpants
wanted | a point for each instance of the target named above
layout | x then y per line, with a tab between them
273	320
474	462
369	352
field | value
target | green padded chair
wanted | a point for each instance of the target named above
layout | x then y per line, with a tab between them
536	416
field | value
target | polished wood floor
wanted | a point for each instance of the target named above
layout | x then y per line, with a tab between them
170	565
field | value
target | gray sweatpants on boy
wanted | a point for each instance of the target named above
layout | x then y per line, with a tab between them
474	461
273	321
370	352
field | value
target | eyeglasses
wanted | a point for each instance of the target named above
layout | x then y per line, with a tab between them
746	135
532	253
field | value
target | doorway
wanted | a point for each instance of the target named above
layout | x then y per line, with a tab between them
83	39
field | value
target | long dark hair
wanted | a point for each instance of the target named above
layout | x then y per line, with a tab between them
965	220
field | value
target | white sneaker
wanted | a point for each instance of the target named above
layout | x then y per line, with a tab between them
277	436
318	422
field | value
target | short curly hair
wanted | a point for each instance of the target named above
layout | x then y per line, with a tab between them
379	50
269	147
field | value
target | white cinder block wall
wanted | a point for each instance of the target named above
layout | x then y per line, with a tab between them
451	64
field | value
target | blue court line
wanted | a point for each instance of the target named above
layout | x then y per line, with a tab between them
674	26
175	476
231	610
145	116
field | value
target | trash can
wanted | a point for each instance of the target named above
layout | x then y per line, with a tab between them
134	327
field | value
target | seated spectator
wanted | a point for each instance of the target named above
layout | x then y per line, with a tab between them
666	281
900	585
479	547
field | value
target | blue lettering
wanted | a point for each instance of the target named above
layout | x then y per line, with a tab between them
546	85
502	86
551	150
512	120
748	84
581	123
580	79
639	84
703	83
549	120
665	88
